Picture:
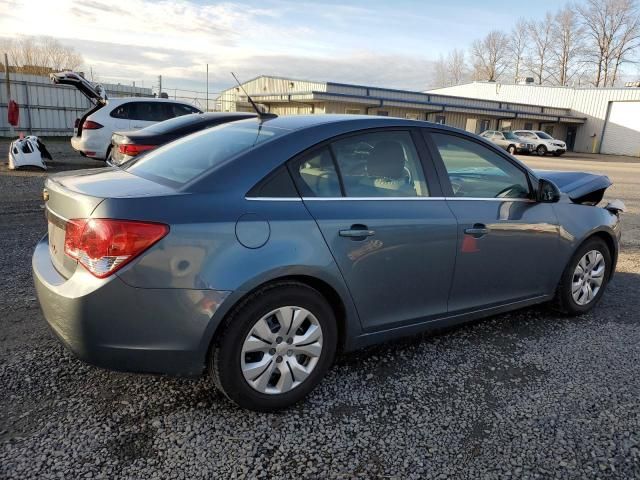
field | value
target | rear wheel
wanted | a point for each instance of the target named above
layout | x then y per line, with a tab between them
585	278
541	150
512	149
275	347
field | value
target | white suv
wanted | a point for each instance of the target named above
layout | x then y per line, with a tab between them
93	130
543	142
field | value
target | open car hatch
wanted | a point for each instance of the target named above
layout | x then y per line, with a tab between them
94	92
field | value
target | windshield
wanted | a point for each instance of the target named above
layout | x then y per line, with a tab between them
544	135
511	136
183	160
176	122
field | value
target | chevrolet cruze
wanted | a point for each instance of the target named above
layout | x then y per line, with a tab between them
256	250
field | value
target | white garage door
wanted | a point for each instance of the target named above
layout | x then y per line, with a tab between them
622	133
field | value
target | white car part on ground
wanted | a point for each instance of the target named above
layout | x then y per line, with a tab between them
27	152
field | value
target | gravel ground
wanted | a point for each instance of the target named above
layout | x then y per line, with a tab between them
523	395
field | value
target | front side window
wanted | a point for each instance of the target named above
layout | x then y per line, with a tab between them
476	171
380	164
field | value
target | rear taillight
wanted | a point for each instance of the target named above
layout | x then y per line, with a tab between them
133	150
103	246
76	123
91	125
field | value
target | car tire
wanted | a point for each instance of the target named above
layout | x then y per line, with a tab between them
238	354
573	278
512	149
541	150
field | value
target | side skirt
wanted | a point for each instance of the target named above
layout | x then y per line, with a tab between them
372	338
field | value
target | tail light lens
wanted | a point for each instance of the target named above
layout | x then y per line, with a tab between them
133	150
91	125
103	246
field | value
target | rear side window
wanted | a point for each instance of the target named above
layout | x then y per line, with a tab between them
317	174
183	160
148	111
380	164
276	185
122	112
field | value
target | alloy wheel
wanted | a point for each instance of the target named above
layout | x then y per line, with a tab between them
588	277
281	350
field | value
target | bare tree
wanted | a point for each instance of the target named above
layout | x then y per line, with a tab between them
490	56
40	55
456	67
541	42
613	32
567	45
518	41
440	74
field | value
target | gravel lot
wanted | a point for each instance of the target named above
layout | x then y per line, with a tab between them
526	395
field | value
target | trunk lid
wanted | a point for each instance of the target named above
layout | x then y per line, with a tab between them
76	195
95	93
581	187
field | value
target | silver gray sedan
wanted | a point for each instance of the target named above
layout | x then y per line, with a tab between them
509	141
255	250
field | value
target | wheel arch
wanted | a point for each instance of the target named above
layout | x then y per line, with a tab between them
341	307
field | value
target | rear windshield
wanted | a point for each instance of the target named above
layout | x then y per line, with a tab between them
174	123
179	162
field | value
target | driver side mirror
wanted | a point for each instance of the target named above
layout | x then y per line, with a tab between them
547	192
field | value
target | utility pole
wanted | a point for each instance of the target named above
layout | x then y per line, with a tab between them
207	87
8	82
160	88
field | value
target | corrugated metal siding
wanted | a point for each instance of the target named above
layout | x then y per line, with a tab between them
591	103
47	109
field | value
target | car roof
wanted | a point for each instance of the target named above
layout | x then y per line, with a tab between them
298	122
146	99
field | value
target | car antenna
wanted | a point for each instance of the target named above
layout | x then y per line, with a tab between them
261	115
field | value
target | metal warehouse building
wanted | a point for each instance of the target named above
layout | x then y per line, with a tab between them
612	115
585	118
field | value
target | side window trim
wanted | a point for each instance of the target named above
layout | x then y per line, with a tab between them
443	175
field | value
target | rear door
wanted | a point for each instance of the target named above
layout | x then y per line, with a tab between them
508	244
379	206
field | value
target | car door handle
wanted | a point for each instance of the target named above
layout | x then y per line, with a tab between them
357	232
478	230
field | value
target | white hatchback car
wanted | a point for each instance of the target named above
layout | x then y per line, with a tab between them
543	142
93	130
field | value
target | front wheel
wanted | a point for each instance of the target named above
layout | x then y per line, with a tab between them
275	347
585	278
541	150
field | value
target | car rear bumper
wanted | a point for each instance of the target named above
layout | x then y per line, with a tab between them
89	148
110	324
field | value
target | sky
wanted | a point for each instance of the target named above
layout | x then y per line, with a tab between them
381	43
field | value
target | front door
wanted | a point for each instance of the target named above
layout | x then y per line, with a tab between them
507	242
392	239
571	137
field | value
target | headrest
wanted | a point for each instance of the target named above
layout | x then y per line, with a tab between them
386	160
